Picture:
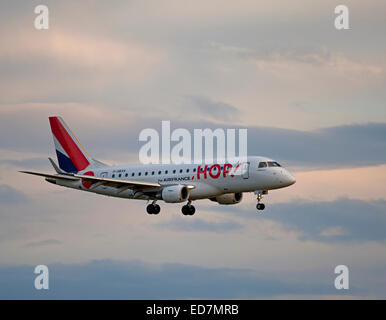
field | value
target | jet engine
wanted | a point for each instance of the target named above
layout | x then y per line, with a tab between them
174	194
229	198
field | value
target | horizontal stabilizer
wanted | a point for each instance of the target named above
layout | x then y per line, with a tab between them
55	176
116	183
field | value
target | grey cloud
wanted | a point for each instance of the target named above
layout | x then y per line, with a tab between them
301	38
305	53
27	163
106	279
342	220
353	220
182	224
48	242
9	195
340	146
213	109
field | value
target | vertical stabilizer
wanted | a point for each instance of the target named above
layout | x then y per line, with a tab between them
72	157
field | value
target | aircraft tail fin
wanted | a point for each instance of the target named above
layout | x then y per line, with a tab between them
72	157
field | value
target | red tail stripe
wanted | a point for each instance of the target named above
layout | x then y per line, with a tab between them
65	140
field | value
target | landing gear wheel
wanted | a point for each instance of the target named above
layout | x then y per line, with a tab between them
185	210
188	210
260	206
157	209
192	210
153	209
150	209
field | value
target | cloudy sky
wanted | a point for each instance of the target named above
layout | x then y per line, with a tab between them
311	97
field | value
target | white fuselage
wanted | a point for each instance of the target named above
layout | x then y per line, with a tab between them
221	178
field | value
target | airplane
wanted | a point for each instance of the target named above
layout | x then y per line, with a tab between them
223	182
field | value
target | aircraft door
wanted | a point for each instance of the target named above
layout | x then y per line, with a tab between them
245	170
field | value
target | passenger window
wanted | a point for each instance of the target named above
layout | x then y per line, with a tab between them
166	172
187	170
113	175
139	173
145	173
152	173
159	172
132	174
180	170
262	165
126	174
174	171
194	170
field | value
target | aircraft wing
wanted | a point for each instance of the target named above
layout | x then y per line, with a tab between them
116	182
98	181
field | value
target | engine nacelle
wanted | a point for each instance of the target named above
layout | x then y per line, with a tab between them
174	194
229	198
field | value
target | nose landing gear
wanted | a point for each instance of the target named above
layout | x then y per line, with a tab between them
260	206
259	194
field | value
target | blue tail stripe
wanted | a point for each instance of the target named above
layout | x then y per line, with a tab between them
65	163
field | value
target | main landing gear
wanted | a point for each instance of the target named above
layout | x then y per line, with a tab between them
188	209
153	208
260	206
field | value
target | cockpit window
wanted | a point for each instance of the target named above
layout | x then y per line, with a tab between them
273	164
262	165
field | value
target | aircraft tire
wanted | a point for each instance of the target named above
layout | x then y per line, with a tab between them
150	209
157	209
185	210
192	210
260	206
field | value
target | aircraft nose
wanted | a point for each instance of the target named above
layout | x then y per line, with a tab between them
290	179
